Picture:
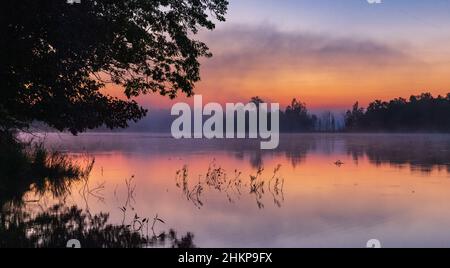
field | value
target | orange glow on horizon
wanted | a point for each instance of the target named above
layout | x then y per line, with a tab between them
321	84
317	90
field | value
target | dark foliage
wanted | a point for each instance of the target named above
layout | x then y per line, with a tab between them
56	58
26	167
59	224
296	118
419	113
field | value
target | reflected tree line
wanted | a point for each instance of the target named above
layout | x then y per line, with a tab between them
417	150
28	167
59	224
420	152
56	59
29	170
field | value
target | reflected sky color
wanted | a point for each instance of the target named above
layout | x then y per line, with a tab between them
387	192
328	53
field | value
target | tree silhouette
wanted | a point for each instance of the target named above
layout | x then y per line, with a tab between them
57	57
55	226
296	118
419	113
257	101
354	117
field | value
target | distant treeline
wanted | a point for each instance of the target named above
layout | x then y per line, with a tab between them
296	118
419	113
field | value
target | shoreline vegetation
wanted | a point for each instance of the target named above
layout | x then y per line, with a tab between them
28	169
54	69
28	166
419	114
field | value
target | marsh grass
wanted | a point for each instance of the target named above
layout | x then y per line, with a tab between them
29	167
233	186
147	227
55	226
276	186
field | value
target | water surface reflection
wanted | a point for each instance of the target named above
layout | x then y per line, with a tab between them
395	188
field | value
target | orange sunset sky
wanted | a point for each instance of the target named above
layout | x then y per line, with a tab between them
327	53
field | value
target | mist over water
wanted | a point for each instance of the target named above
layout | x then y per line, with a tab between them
330	190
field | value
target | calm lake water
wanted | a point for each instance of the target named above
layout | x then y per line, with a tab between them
313	191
